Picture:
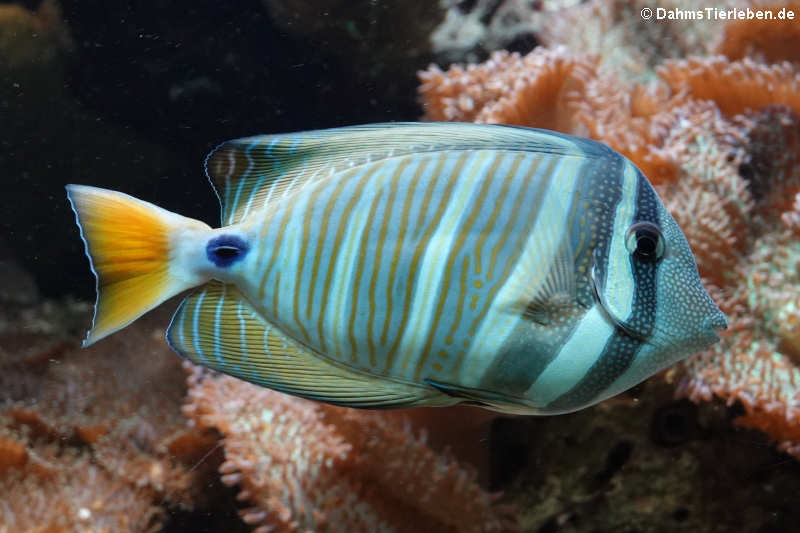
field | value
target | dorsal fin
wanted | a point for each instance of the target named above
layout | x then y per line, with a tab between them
248	173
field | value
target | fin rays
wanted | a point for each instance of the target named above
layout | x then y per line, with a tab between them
210	326
127	243
246	173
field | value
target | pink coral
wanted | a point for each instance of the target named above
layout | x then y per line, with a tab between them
791	218
302	465
538	89
54	489
735	86
94	439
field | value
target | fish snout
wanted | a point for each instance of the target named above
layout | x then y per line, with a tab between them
716	321
712	324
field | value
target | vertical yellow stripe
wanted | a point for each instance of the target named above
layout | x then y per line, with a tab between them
242	325
267	250
498	207
304	238
217	332
424	240
205	323
387	216
398	247
351	203
381	239
463	233
195	335
275	291
275	248
462	294
543	182
322	232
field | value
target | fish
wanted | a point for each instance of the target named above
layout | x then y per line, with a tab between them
412	264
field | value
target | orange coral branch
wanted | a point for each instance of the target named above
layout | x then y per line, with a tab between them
769	41
635	121
539	89
96	441
302	465
63	490
735	86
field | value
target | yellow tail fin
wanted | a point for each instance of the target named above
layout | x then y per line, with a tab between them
130	244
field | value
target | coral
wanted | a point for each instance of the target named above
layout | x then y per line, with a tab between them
757	361
772	158
738	176
538	89
94	439
98	435
48	488
302	465
626	45
32	40
635	121
768	41
469	29
613	30
707	196
734	86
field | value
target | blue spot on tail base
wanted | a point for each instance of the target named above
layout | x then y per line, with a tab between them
225	250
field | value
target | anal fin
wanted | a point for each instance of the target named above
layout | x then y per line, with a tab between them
216	327
483	398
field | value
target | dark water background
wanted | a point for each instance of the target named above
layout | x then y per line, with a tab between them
145	89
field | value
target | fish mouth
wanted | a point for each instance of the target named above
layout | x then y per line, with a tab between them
716	322
712	325
710	337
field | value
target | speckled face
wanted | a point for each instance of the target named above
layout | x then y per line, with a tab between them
648	281
649	288
644	305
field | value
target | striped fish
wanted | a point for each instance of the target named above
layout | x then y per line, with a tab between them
398	265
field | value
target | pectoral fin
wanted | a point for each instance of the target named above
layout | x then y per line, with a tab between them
545	284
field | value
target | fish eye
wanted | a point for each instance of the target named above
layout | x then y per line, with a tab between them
645	242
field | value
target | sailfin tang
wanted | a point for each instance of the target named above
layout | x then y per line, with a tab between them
128	245
247	173
216	327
